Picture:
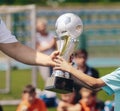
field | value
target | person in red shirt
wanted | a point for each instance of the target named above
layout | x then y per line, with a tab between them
30	102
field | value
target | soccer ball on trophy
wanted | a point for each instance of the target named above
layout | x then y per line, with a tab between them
68	28
69	24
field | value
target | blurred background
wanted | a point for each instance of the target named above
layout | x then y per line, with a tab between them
101	20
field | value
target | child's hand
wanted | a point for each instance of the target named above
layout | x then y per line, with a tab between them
61	64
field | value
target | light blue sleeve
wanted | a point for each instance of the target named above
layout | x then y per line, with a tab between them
112	82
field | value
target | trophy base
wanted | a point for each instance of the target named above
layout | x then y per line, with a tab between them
59	84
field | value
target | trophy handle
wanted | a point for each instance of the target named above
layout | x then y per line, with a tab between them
66	46
61	44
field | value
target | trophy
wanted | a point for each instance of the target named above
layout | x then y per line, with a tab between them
68	28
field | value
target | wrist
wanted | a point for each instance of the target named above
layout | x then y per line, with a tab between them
43	59
49	61
70	69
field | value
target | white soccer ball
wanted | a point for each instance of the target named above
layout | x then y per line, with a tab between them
69	24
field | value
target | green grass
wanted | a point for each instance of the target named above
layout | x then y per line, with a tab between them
2	77
9	108
13	108
20	78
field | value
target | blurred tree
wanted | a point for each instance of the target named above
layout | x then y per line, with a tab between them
9	2
114	0
1	1
24	2
43	2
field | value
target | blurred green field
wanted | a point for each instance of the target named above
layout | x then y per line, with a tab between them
20	78
13	108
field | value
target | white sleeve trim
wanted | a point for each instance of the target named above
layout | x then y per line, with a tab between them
5	34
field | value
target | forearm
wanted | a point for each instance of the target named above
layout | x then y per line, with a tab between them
24	54
83	84
85	80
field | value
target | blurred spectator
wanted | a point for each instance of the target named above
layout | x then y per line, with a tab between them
1	109
68	103
30	102
45	43
79	59
89	102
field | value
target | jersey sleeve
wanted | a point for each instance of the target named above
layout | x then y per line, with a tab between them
112	82
5	34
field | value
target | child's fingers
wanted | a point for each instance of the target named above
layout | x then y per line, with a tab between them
60	58
57	61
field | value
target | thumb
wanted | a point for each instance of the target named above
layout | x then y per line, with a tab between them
54	54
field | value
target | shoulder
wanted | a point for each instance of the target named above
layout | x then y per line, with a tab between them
95	72
94	69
